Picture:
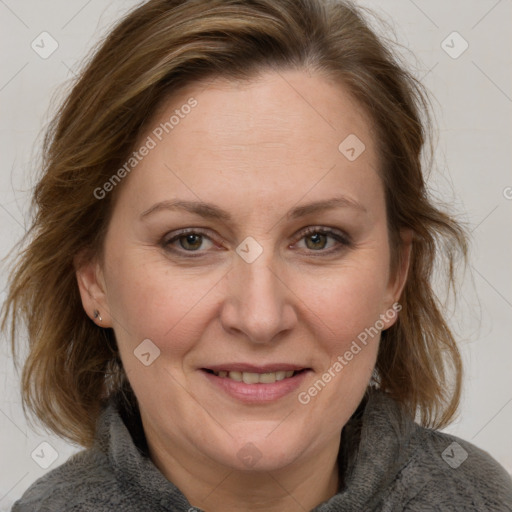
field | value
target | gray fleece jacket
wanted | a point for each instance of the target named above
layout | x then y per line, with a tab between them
387	463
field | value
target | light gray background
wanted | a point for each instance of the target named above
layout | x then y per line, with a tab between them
473	103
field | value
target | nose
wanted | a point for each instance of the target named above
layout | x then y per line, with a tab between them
259	302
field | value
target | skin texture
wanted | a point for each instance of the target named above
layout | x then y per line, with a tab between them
256	149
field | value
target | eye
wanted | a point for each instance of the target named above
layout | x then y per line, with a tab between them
316	239
188	240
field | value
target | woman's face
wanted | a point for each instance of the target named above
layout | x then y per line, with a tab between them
284	268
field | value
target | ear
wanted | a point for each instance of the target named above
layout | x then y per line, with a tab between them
397	281
91	284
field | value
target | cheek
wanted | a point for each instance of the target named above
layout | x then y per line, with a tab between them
157	304
353	298
350	306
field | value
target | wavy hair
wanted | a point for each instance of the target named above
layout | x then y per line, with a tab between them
73	365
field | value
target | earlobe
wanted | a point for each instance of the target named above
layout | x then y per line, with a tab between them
91	286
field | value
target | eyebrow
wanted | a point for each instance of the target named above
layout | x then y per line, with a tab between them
212	211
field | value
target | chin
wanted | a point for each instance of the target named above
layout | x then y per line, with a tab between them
261	452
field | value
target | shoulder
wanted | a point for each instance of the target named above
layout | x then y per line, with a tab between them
78	484
422	469
454	474
88	481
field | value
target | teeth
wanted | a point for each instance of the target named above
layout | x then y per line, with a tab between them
235	376
255	378
250	378
267	378
280	375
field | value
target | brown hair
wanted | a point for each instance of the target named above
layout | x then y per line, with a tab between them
72	365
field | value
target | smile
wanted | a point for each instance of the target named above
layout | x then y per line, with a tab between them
253	384
255	378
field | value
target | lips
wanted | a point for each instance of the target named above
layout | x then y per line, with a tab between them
253	384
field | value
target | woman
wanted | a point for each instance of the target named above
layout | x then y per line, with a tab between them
226	286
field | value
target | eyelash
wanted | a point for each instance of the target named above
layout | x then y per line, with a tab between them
342	239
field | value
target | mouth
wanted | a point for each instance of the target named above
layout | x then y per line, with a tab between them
256	384
255	377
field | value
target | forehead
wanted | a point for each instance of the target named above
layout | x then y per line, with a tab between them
275	108
288	132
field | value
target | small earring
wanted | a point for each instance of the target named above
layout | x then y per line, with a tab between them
97	315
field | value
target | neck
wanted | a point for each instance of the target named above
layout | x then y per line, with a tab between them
213	487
